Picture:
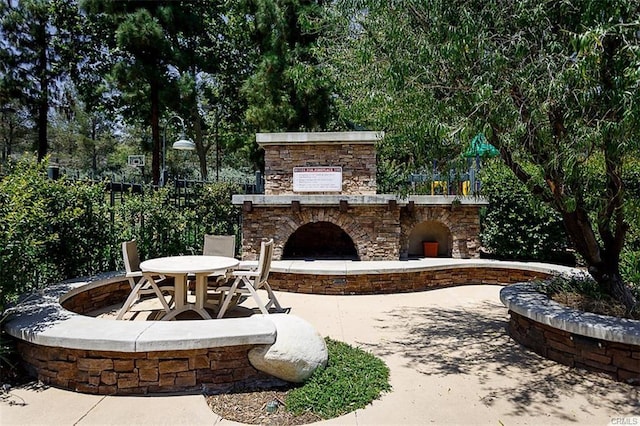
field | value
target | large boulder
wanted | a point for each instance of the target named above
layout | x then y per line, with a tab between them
297	352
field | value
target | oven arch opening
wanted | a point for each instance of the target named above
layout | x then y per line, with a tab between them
320	241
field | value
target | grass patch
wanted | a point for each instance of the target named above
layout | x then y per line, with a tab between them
352	379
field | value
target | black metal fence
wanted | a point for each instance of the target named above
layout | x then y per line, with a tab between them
199	213
451	183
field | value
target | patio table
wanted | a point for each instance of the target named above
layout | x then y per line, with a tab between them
181	266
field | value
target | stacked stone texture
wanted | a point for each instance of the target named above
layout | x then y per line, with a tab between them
98	298
400	282
120	373
619	360
378	232
358	162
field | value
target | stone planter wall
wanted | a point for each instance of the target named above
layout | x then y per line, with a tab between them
575	338
618	360
62	347
98	298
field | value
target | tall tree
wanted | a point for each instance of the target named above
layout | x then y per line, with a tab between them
135	33
554	85
41	44
288	90
210	55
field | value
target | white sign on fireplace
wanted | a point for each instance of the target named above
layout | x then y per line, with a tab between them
317	179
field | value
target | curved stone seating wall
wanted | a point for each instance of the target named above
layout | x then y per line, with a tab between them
101	356
397	276
69	350
578	339
96	296
125	373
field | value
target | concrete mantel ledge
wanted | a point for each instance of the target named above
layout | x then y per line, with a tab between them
525	300
40	319
360	200
301	138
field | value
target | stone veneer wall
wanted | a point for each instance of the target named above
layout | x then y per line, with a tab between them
463	223
618	360
374	229
98	298
120	373
400	282
358	162
123	373
378	232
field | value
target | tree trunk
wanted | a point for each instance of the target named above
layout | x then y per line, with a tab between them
155	132
602	261
609	278
43	100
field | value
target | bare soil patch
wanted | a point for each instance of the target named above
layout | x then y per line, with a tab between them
251	407
585	303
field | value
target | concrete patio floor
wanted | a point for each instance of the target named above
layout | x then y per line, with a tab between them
451	362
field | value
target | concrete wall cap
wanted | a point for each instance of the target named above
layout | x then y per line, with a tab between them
300	138
525	300
40	319
359	200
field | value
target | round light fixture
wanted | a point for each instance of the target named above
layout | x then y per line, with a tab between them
184	144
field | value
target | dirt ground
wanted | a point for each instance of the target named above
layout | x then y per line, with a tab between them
251	408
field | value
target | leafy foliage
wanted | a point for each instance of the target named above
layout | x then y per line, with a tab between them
352	380
553	85
54	230
582	284
582	292
515	225
51	230
288	90
42	41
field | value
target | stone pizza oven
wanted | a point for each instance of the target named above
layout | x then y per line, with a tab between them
320	202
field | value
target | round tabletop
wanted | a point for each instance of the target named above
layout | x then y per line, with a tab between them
188	264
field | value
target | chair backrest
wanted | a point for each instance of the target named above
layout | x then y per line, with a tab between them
264	261
130	256
219	245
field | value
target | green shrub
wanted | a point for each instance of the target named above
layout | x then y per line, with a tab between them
49	230
158	226
630	270
580	284
54	230
352	379
515	225
214	211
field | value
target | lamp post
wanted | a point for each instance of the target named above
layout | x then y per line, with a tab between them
217	146
183	144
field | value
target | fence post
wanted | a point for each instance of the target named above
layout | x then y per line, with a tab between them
259	183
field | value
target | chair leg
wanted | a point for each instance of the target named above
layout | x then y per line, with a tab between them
158	293
135	292
132	298
228	297
272	298
257	299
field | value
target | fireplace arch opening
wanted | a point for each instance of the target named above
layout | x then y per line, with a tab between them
322	241
430	230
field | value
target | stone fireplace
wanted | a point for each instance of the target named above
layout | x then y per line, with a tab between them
320	203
